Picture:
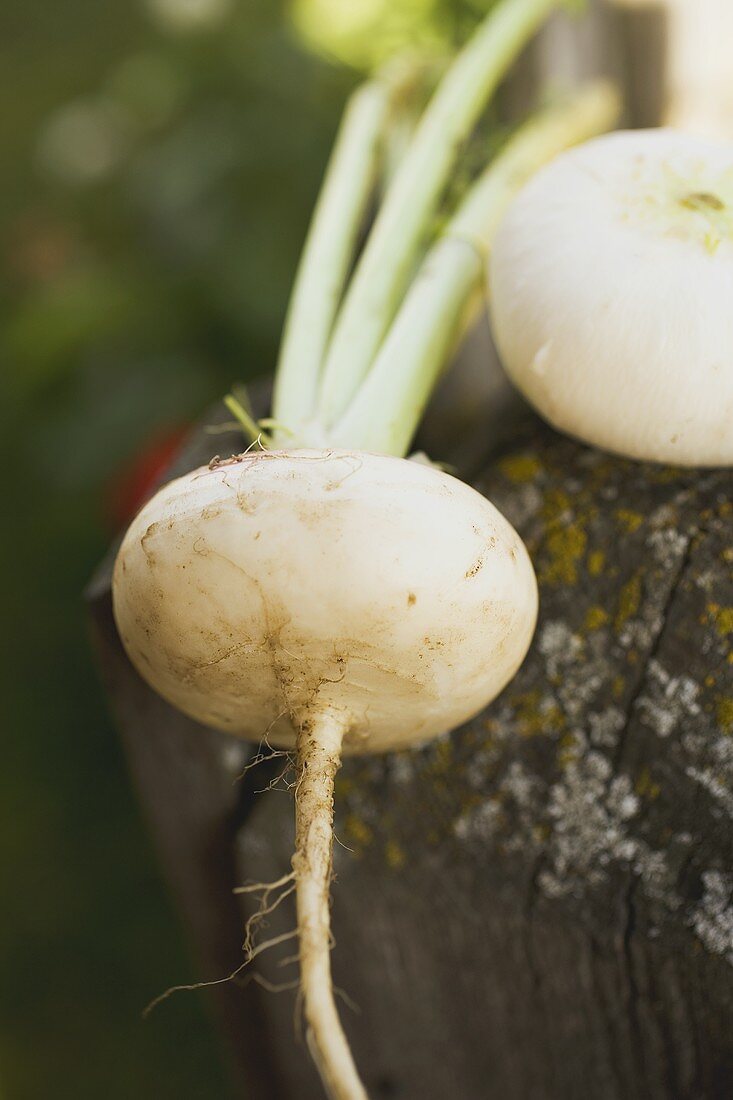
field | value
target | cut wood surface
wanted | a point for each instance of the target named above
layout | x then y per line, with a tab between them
539	905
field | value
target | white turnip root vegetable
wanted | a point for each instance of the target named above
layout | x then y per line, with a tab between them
343	587
611	289
320	589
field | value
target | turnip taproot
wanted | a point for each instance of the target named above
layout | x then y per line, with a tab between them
310	590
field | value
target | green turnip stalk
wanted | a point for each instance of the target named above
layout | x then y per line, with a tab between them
328	252
426	70
400	228
390	403
374	123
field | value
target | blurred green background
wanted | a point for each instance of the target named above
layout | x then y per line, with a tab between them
160	160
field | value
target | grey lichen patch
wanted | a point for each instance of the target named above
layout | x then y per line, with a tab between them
481	823
667	545
668	701
589	809
713	767
575	667
712	919
560	646
605	726
495	818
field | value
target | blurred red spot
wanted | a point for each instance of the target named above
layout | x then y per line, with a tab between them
39	247
131	486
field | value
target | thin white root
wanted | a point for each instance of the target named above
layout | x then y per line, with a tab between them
265	888
319	758
251	953
265	909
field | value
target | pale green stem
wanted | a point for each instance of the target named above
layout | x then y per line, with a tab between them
396	143
387	409
328	252
407	111
246	421
384	269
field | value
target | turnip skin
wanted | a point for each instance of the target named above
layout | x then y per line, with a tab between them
258	592
611	283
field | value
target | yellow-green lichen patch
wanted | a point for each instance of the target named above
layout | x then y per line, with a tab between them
556	506
569	750
628	520
629	601
565	547
343	787
596	563
532	718
493	729
724	714
394	855
442	754
721	618
520	468
357	834
618	687
664	475
438	764
602	473
645	787
595	618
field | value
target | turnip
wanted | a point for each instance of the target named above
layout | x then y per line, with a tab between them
320	590
611	289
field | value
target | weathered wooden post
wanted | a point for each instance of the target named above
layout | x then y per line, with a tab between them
540	905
